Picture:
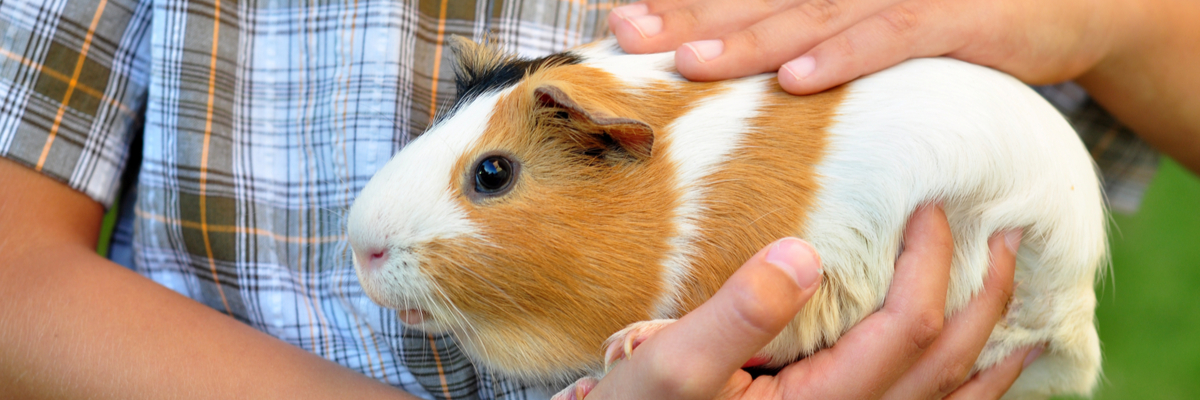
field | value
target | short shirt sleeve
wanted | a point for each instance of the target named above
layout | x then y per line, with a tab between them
73	77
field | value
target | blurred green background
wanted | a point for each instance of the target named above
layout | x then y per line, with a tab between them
1149	310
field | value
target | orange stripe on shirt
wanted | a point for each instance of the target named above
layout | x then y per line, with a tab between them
208	121
236	229
62	108
438	361
437	60
373	366
58	76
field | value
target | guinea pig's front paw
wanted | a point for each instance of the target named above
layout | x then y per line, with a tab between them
621	344
577	390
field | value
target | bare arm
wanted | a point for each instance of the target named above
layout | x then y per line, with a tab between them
1150	80
74	325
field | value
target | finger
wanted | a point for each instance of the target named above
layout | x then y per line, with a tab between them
577	391
658	27
695	356
769	43
873	354
928	251
633	23
907	30
993	382
945	366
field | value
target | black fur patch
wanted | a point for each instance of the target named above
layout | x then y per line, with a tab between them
497	77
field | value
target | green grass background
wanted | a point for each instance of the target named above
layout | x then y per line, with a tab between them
1149	311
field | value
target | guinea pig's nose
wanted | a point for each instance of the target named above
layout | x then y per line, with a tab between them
372	258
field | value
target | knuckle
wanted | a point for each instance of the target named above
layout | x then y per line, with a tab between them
843	46
951	376
686	17
925	328
771	5
757	316
1004	293
678	379
822	11
900	21
753	40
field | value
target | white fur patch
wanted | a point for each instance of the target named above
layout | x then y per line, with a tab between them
698	143
409	202
634	70
999	157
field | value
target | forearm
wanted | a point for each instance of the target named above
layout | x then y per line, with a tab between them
75	325
1151	78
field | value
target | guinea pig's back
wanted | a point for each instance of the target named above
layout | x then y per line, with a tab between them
997	156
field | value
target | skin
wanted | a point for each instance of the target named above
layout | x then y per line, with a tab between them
904	351
1136	58
78	326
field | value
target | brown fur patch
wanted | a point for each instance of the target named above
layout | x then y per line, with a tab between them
763	192
574	252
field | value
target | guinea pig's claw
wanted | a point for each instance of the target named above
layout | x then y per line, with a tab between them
629	346
621	344
577	390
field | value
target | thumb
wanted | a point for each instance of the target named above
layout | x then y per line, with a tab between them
759	300
695	356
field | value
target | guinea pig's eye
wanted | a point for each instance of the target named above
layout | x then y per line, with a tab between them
494	175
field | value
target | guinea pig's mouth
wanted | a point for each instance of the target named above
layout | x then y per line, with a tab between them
414	316
421	318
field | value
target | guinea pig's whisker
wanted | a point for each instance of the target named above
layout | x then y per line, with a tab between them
428	301
468	270
460	319
765	215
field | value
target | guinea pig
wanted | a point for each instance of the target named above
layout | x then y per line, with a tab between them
563	198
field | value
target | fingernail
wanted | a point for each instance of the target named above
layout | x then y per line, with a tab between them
1012	239
646	25
797	259
1033	355
582	388
802	67
631	10
706	50
611	356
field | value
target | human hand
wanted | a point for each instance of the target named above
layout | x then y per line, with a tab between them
818	44
905	350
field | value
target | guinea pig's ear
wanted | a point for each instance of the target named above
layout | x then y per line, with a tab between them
633	136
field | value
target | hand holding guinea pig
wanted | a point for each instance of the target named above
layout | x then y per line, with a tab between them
1132	56
680	362
564	198
818	44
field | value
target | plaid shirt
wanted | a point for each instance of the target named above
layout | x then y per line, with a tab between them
241	139
253	132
